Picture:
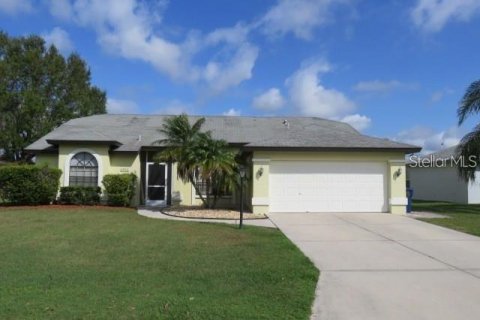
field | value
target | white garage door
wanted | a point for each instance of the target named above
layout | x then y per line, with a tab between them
322	186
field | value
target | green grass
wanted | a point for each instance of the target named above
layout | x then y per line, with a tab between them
88	263
462	217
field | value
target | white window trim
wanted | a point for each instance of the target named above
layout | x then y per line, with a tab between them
66	171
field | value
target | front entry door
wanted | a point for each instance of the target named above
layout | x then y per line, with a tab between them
156	194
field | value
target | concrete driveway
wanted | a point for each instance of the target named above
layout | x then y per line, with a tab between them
383	266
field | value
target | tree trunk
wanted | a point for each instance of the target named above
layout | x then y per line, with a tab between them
192	181
209	206
215	199
215	194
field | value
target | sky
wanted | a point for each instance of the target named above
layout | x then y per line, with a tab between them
395	68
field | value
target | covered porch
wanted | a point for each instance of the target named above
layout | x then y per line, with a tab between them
160	186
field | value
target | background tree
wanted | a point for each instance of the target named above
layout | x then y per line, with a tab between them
470	143
40	90
198	155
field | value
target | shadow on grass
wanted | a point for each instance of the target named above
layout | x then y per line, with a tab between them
446	207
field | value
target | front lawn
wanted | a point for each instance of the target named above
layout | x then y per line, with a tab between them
97	263
462	217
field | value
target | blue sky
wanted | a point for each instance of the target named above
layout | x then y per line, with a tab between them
395	69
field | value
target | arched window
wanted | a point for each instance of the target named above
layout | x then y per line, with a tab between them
83	170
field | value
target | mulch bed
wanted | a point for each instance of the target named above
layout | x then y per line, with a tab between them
202	213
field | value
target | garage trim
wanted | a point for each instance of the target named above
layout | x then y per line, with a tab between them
328	186
259	201
398	201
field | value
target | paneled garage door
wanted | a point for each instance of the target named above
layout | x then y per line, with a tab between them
322	186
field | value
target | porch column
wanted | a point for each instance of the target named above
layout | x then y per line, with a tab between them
260	192
397	186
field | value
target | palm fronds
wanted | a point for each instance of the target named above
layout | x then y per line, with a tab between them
469	149
197	153
470	103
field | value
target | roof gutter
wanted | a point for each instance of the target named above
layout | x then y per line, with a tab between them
96	142
405	150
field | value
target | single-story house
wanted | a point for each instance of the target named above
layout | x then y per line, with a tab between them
297	164
435	177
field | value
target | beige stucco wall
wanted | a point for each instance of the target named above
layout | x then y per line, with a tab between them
65	152
394	161
260	185
183	193
397	186
109	163
127	163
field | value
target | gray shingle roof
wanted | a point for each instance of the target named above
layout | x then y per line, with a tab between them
132	132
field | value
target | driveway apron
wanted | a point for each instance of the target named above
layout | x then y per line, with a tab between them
384	266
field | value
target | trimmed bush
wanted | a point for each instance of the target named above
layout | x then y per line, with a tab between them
119	188
80	195
28	184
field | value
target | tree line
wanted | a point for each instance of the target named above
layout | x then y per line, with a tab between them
39	90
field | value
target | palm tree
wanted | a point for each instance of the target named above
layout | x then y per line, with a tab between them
197	155
470	143
217	166
180	141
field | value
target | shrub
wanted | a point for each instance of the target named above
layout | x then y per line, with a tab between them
119	188
80	195
28	184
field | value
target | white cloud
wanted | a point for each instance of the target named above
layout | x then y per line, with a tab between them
13	7
311	98
299	17
119	106
235	34
60	39
61	9
174	107
378	86
132	29
429	139
230	73
357	121
433	15
270	100
126	28
437	96
232	112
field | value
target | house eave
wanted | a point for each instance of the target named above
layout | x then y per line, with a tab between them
333	149
56	142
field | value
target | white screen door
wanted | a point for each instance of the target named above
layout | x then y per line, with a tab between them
156	194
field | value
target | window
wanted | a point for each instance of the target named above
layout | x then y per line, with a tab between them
83	170
201	184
